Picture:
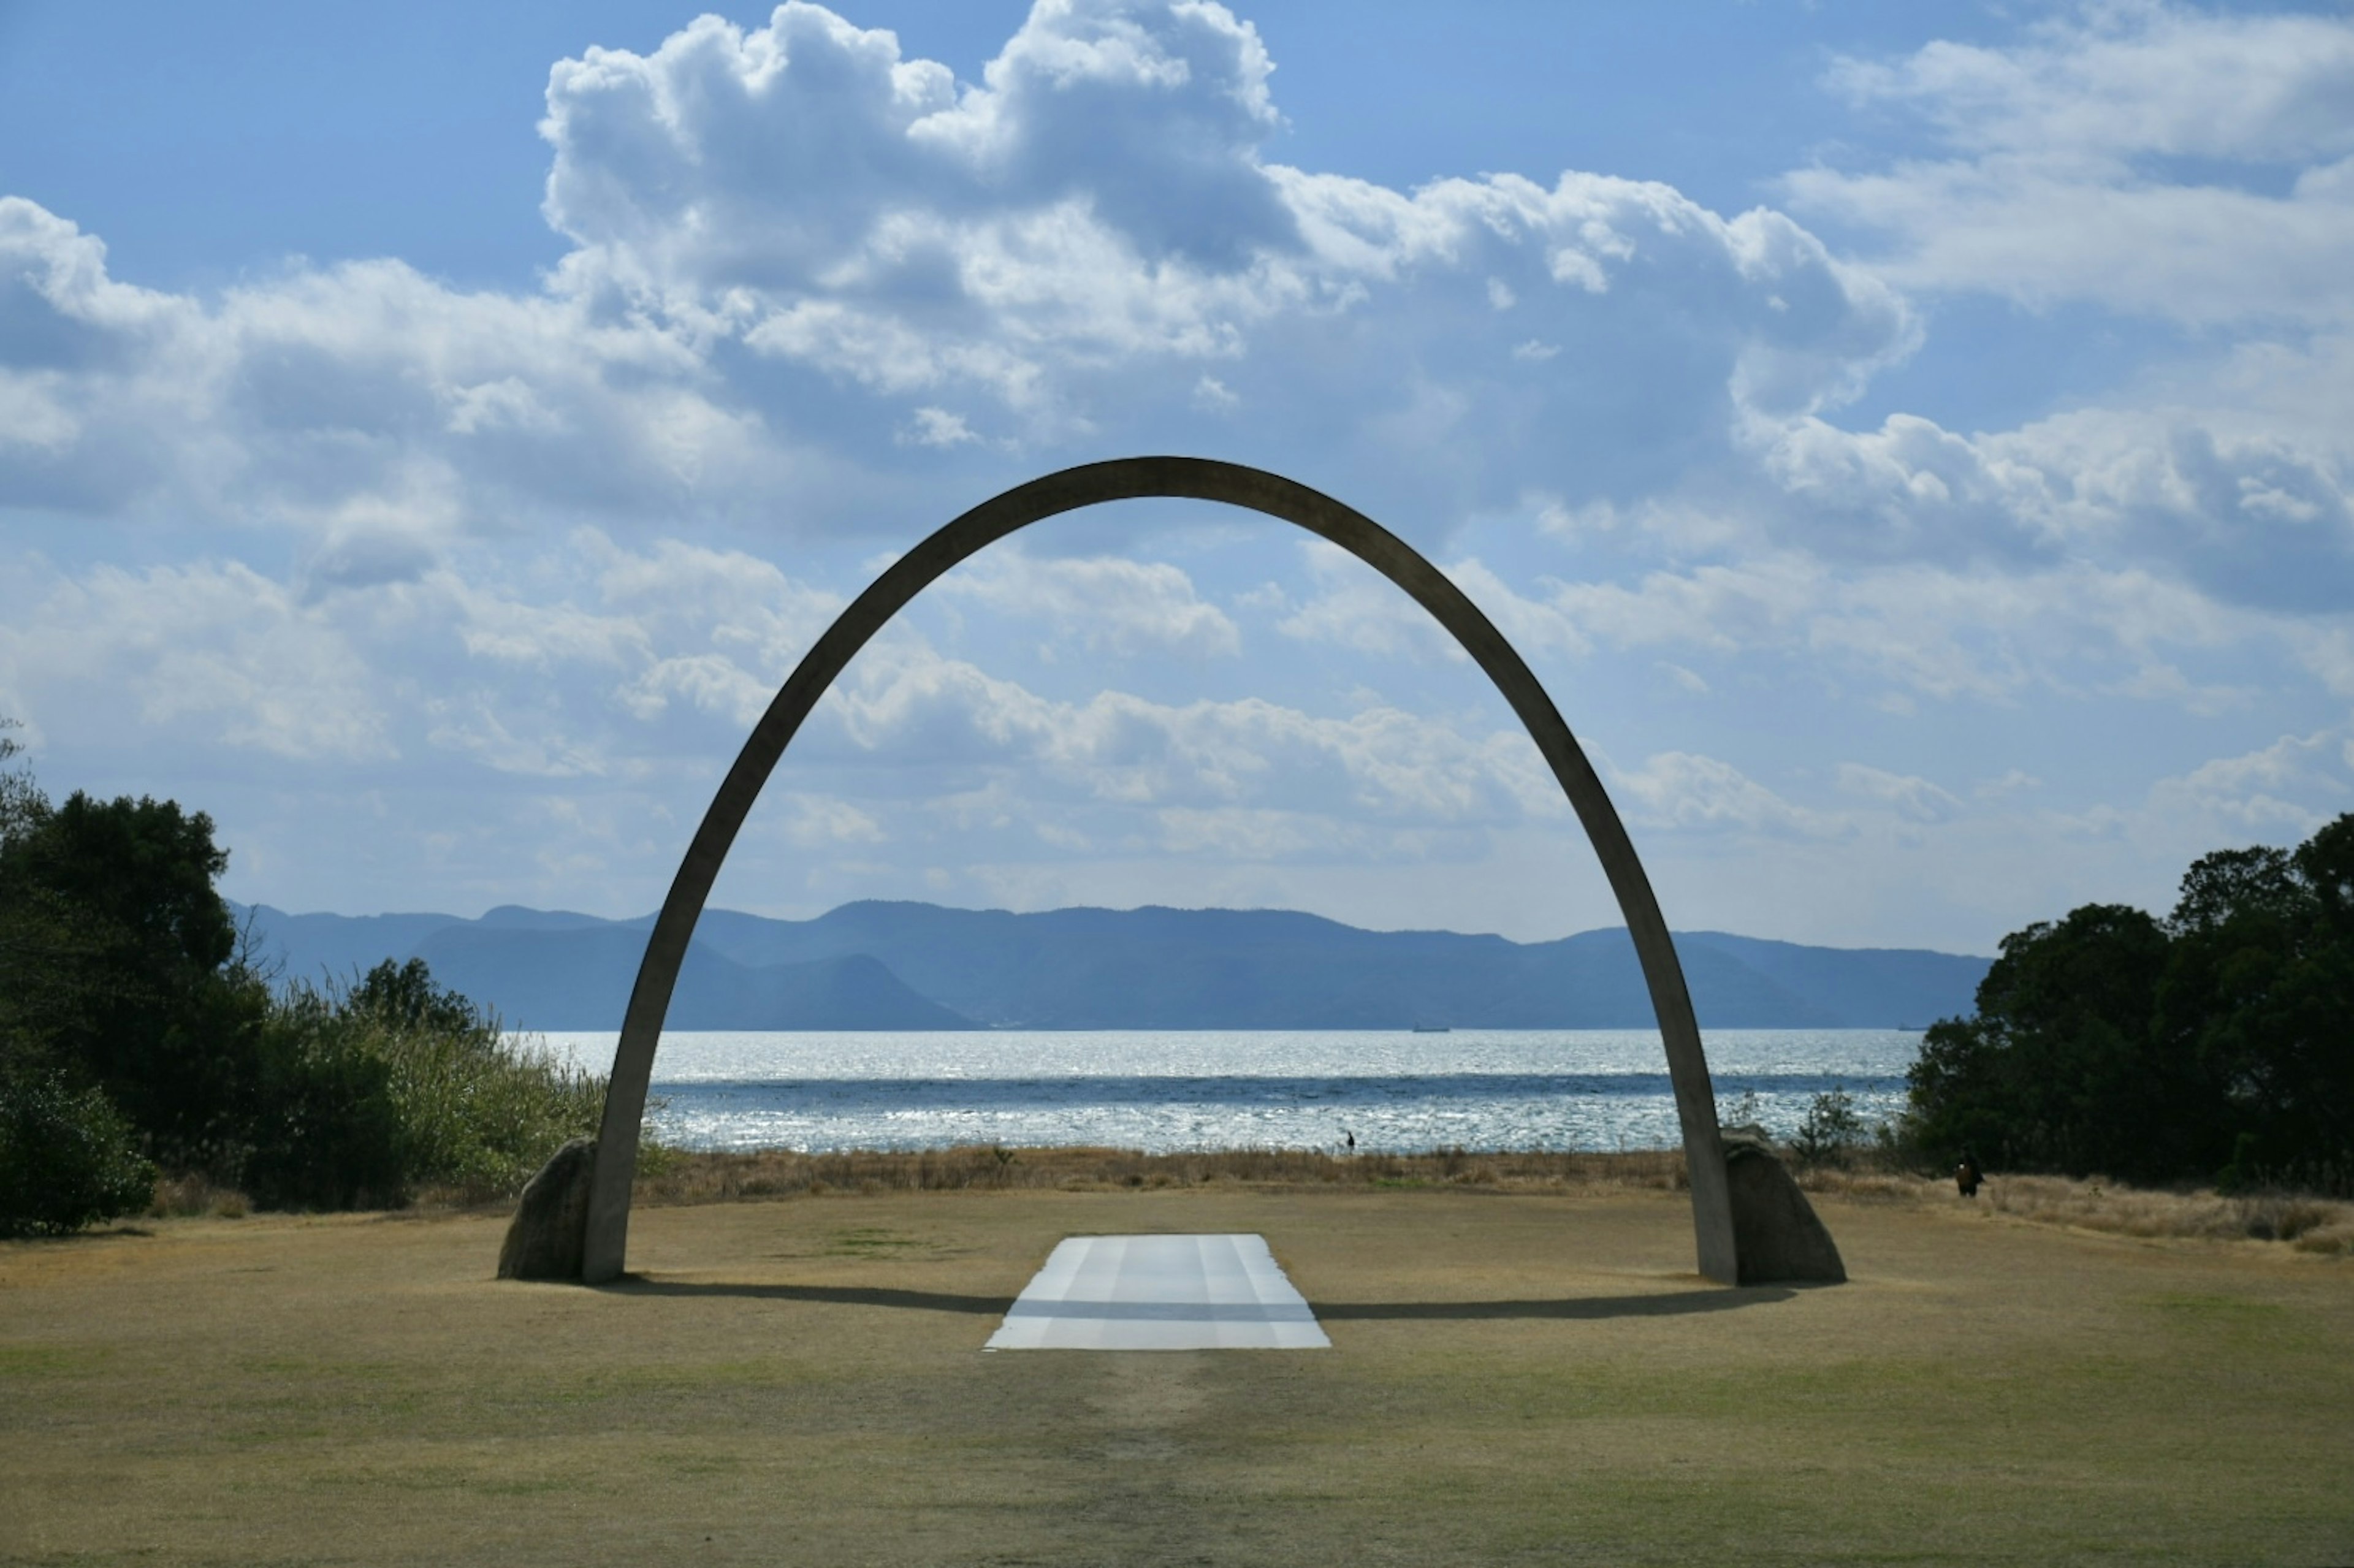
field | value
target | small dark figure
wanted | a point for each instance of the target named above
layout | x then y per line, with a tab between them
1352	1139
1966	1175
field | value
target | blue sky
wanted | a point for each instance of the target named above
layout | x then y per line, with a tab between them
1912	442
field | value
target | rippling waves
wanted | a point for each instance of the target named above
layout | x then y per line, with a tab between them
1167	1091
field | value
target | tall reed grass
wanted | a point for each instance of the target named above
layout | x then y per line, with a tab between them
394	1087
676	1176
481	1110
2306	1222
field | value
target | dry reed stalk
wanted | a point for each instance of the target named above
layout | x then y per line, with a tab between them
697	1177
2097	1204
673	1176
2312	1224
179	1197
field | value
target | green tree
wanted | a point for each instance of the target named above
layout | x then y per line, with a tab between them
128	1012
404	997
2061	1068
1831	1131
33	925
67	1156
124	954
2259	989
125	980
2219	1041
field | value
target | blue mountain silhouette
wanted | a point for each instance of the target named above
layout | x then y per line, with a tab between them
877	965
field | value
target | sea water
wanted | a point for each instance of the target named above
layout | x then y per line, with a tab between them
1173	1091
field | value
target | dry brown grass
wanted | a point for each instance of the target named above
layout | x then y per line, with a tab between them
181	1197
2304	1222
674	1176
1523	1376
2316	1225
2308	1223
671	1177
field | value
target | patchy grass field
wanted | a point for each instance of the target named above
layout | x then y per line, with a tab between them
1519	1373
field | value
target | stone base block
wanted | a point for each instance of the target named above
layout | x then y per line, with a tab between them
544	1239
1776	1233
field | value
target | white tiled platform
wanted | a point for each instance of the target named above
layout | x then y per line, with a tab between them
1160	1293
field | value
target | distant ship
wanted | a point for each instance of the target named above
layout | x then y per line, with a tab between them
1432	1029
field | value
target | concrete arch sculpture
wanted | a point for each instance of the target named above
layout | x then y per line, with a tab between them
605	1236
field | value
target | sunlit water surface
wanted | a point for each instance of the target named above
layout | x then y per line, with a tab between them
1171	1091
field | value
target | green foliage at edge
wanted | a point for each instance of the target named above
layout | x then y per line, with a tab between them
66	1155
453	1100
2215	1044
135	1031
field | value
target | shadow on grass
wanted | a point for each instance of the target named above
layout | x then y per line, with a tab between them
836	1295
83	1237
1665	1304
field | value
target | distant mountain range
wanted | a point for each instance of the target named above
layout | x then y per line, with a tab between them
917	965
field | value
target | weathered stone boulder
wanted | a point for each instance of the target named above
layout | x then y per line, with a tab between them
544	1239
1776	1233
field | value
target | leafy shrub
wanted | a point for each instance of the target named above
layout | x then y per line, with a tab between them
462	1104
1832	1131
326	1131
133	1023
67	1157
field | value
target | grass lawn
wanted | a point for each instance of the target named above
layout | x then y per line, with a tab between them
1513	1378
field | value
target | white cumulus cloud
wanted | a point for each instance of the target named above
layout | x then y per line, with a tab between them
2130	153
1111	604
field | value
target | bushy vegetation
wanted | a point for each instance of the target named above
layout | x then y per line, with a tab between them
138	1034
2215	1044
695	1176
452	1100
1832	1133
66	1155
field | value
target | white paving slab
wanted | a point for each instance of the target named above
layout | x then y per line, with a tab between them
1160	1293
